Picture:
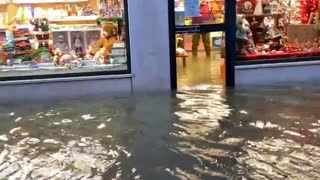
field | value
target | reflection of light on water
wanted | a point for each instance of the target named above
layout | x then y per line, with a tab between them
199	113
281	159
263	125
66	156
206	138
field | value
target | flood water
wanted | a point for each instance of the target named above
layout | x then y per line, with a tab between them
203	132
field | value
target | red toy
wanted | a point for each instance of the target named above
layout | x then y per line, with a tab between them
306	8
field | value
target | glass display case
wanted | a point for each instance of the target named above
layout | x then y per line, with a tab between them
62	38
277	29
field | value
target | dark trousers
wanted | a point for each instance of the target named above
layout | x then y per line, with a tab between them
205	40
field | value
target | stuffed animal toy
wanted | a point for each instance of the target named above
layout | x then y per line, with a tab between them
66	59
106	40
57	56
99	56
243	29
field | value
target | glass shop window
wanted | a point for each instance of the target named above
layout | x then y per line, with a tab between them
62	38
273	29
195	12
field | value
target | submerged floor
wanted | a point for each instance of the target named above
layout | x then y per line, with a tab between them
203	132
200	70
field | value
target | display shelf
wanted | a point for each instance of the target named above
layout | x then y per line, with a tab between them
75	18
40	41
40	33
21	39
4	1
46	1
264	15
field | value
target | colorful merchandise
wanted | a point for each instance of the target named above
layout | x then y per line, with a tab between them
277	29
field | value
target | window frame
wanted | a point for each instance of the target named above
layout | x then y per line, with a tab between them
83	74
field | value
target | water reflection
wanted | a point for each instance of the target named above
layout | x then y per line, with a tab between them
203	132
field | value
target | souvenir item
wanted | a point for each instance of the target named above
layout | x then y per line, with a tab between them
258	9
243	29
61	43
78	44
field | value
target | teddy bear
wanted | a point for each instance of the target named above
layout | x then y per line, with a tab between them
99	56
106	40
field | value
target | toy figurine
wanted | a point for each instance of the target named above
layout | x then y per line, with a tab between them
243	28
251	45
41	27
88	55
99	56
3	56
258	9
77	44
66	59
315	44
57	56
61	44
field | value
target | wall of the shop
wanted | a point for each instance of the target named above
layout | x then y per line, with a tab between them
277	74
149	43
31	90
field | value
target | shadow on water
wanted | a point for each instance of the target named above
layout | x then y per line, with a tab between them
202	132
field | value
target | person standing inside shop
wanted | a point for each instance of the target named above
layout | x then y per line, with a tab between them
205	12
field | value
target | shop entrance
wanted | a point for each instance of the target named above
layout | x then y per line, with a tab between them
197	34
199	58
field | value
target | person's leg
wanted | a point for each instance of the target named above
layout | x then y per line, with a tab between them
206	43
195	43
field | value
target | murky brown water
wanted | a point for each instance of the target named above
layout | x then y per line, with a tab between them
200	133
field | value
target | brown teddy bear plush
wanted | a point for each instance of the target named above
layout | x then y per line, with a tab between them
106	40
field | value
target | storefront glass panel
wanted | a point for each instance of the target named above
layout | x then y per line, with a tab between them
277	29
52	37
196	12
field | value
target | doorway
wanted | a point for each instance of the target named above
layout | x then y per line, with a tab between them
197	43
199	59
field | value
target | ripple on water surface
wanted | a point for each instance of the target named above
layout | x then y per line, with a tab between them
202	132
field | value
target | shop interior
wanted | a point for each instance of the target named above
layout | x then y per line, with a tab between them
199	56
39	37
277	29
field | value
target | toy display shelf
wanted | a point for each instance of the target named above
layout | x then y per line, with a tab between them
75	18
21	38
276	56
264	15
75	29
52	67
40	33
5	1
46	1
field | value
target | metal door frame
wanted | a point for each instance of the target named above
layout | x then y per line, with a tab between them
229	27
